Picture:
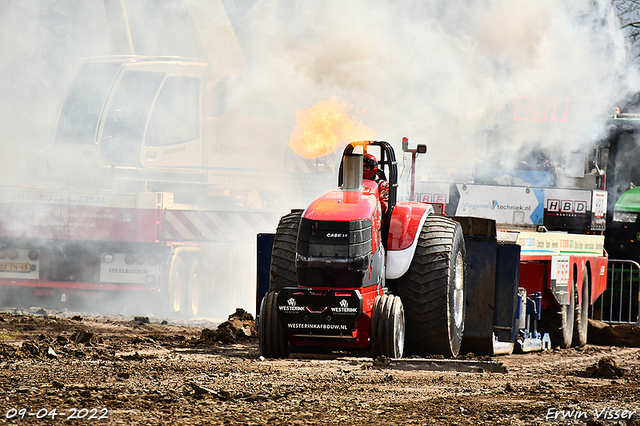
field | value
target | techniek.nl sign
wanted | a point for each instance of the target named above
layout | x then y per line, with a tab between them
517	205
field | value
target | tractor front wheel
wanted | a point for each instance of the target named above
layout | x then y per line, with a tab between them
271	335
433	290
387	327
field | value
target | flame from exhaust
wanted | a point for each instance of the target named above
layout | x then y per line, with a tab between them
321	128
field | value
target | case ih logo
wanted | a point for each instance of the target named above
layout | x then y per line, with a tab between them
336	235
567	206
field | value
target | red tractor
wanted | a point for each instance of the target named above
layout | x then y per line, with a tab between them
358	270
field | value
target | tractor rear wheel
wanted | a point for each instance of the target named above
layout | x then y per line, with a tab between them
433	290
581	322
271	335
387	327
558	322
283	271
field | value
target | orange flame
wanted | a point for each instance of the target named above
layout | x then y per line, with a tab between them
320	129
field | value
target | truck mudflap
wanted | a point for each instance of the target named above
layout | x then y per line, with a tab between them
332	312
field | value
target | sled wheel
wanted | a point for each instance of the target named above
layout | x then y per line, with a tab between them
283	271
558	322
195	287
272	337
581	322
176	286
432	290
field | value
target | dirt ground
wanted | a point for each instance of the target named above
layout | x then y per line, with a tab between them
73	369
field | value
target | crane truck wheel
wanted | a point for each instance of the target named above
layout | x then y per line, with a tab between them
433	290
581	322
195	287
271	336
283	271
176	286
558	322
387	327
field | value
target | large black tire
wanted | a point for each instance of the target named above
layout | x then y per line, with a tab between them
376	325
283	271
433	290
581	315
271	336
558	322
387	327
194	282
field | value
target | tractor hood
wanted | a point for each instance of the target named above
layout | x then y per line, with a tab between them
340	205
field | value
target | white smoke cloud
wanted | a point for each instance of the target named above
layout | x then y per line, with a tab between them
41	44
444	73
440	73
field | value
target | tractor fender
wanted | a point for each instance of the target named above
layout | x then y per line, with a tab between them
404	229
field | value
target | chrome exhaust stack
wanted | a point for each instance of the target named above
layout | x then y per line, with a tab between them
352	172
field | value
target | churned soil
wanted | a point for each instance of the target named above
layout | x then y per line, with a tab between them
77	369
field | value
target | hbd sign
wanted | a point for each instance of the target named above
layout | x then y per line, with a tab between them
567	209
567	206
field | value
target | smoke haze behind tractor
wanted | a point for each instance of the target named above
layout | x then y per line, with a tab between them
468	78
437	73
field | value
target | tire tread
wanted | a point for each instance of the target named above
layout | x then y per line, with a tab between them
283	271
272	337
424	289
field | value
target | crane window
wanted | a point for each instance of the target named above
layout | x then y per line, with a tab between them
176	116
81	110
127	117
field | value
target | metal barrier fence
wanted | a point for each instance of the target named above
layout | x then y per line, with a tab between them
619	303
